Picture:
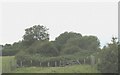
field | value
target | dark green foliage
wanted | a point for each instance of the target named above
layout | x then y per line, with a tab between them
37	32
23	57
48	49
71	39
71	50
62	39
10	50
35	48
72	42
85	44
67	47
109	58
89	43
7	45
43	47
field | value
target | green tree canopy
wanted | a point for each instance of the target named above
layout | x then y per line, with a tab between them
109	58
44	48
37	32
89	43
62	38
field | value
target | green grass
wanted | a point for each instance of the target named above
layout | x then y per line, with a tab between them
0	64
7	61
67	69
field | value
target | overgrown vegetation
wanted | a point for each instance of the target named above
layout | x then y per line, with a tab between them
36	50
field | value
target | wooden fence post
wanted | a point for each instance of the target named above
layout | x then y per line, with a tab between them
15	64
55	63
48	64
98	61
92	60
21	63
84	61
40	63
31	62
60	63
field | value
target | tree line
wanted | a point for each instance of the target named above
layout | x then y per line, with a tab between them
35	48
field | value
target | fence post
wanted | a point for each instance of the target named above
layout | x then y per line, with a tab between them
84	61
15	64
31	62
48	64
40	63
60	63
98	60
55	63
92	60
21	63
12	65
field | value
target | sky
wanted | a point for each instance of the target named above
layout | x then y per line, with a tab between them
88	18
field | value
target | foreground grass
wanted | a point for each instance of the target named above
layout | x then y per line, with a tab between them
67	69
0	64
8	63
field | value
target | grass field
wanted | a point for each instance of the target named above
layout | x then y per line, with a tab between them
0	65
67	69
7	61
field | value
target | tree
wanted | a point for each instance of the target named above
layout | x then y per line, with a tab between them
89	43
73	42
109	58
48	49
37	32
61	40
12	49
71	50
44	48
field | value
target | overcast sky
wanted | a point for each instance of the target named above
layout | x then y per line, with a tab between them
88	18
